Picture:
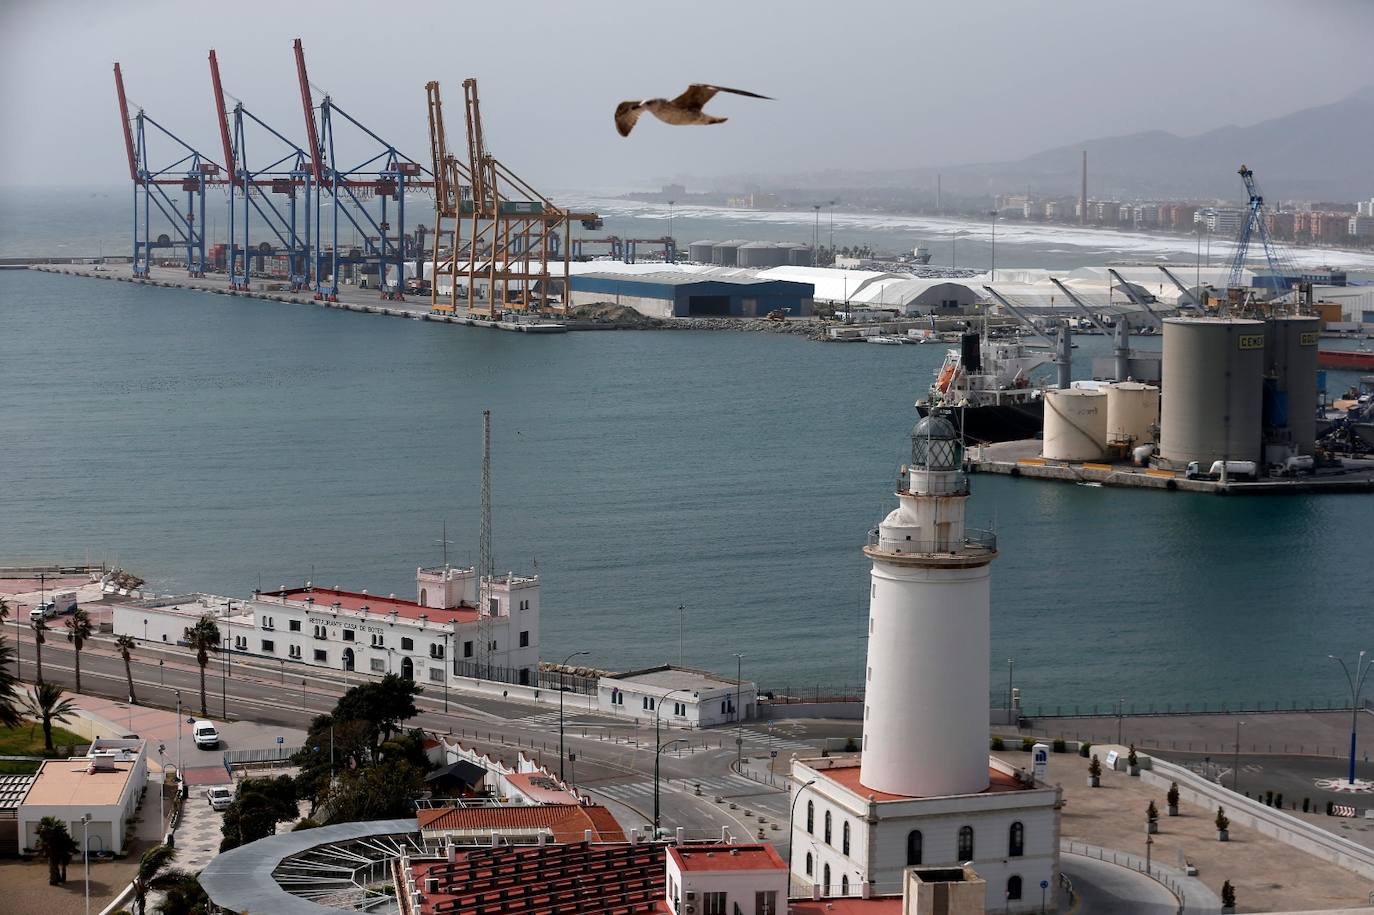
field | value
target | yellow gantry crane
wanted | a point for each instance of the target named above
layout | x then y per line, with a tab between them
513	231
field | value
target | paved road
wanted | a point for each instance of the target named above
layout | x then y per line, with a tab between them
1106	888
614	760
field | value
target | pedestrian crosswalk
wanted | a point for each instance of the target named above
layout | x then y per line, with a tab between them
725	786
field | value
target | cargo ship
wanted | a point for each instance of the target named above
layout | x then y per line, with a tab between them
986	388
1360	360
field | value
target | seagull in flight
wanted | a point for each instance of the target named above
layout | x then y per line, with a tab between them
685	109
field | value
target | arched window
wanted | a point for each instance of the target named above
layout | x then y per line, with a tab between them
913	848
1016	841
1014	886
810	864
825	880
827	827
965	852
424	597
844	884
811	818
844	837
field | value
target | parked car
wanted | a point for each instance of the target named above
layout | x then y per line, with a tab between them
220	798
207	738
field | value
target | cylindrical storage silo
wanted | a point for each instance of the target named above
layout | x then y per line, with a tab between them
699	252
1212	390
1290	358
754	254
778	254
1132	409
726	253
800	256
1075	425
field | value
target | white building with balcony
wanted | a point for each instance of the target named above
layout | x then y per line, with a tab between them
457	627
681	697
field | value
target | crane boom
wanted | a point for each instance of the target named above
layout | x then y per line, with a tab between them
1106	332
311	135
222	117
1136	298
1018	314
124	123
1192	296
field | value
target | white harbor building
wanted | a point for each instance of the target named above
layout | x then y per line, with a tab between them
448	630
923	791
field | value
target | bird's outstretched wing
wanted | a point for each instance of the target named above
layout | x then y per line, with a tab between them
699	94
626	113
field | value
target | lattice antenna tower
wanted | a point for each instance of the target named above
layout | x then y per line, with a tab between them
486	564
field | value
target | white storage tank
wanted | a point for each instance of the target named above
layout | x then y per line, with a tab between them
699	252
1132	409
1075	425
1212	390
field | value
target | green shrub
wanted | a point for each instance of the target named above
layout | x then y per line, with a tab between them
1059	745
1027	744
1172	796
1083	749
1228	895
1095	767
997	744
1223	821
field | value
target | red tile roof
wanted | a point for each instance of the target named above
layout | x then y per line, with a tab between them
572	879
566	822
711	858
381	606
541	788
848	777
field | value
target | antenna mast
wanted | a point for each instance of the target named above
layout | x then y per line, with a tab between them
486	565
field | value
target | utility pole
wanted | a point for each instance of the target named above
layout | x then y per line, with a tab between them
486	565
739	717
1356	684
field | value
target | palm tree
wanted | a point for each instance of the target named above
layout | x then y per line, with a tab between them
57	846
203	638
39	627
78	631
46	703
10	715
148	876
125	644
183	895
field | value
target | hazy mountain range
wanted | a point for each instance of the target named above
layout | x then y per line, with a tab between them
1323	153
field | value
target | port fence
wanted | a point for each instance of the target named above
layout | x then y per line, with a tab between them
258	757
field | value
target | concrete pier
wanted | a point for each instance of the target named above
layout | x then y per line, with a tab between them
1022	459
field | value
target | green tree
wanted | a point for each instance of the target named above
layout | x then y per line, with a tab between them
203	638
57	846
39	627
259	805
182	895
46	703
79	629
385	704
377	792
126	645
330	746
11	708
149	874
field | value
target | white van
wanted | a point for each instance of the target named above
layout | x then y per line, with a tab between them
207	738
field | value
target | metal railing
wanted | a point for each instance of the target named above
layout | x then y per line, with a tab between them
1121	859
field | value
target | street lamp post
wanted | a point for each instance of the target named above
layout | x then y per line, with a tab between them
739	717
1011	664
561	668
791	814
446	662
816	231
832	227
681	628
1120	716
670	222
86	854
178	692
1235	761
1356	684
658	748
1149	842
993	214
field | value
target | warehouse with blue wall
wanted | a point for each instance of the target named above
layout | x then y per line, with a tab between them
684	295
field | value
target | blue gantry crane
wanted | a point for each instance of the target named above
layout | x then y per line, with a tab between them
275	196
1255	222
191	172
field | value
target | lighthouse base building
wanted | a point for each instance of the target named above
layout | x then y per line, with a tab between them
924	792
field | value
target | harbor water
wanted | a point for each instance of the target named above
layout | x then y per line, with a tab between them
215	443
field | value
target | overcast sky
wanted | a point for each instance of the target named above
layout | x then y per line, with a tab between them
859	84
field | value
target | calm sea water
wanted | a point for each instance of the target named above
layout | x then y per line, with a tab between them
211	443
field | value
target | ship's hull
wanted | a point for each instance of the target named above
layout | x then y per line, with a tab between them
1006	422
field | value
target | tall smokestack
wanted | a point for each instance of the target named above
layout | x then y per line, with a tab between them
937	193
1083	193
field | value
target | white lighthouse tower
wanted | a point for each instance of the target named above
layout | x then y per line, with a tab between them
926	705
